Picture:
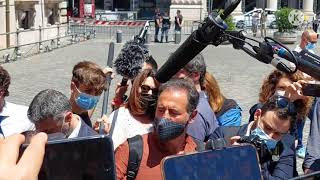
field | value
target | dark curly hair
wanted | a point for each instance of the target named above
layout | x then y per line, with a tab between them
4	81
269	85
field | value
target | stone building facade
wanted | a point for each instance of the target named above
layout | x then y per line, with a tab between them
34	20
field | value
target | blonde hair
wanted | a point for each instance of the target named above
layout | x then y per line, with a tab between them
215	97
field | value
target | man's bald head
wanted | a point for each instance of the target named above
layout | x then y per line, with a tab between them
308	36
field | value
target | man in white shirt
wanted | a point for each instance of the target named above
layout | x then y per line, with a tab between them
308	41
51	112
13	117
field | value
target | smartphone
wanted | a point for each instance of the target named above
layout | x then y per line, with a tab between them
237	162
311	90
87	158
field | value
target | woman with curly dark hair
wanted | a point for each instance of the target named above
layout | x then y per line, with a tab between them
278	82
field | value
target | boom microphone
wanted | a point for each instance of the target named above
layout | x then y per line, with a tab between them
141	37
307	62
207	33
106	92
130	60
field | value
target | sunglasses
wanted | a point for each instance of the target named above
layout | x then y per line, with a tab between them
145	89
282	102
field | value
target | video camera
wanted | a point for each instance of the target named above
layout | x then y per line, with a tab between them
263	152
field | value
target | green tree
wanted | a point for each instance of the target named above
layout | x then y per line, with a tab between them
282	20
230	23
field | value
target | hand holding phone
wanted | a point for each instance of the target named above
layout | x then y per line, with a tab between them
311	89
10	168
85	158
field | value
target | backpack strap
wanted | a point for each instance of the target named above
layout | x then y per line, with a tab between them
135	156
227	104
114	119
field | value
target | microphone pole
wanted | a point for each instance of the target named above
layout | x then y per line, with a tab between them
140	39
207	34
106	92
313	174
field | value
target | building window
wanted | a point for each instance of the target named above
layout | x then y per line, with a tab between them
25	21
25	18
52	13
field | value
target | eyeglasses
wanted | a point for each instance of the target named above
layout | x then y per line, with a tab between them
282	102
146	89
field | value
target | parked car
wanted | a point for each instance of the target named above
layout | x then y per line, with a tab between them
273	25
241	24
246	18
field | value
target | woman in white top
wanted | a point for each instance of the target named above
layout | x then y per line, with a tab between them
136	116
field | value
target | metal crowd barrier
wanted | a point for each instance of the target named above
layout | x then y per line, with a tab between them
106	32
110	31
43	44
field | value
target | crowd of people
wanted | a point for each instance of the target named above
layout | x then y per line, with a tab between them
162	21
172	118
259	19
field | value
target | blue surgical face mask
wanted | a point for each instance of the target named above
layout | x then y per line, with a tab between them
310	46
271	143
86	101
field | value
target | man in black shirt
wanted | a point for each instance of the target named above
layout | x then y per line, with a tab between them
178	19
157	18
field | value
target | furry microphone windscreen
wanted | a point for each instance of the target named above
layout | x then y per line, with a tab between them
130	59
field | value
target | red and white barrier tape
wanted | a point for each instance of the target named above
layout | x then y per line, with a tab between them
108	23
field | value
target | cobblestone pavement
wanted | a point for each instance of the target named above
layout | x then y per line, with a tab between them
239	75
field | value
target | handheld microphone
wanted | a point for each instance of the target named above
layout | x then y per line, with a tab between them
106	92
281	52
308	63
263	53
206	34
281	66
130	60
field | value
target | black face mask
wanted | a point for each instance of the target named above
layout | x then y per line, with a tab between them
148	103
167	129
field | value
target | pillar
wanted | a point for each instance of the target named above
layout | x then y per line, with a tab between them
272	4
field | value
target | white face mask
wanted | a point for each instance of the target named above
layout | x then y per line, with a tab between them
280	92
